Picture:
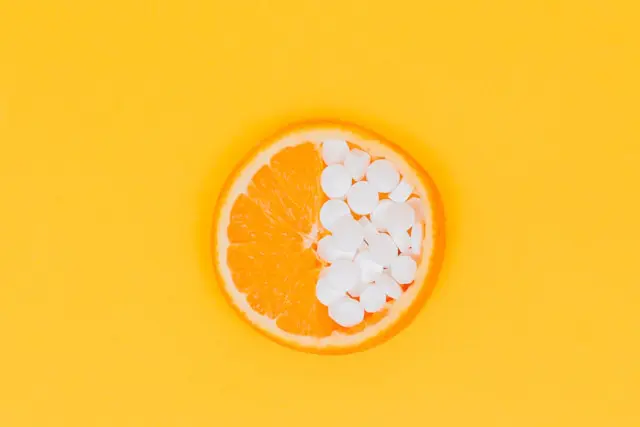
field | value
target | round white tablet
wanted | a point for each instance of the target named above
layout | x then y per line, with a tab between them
334	151
343	275
357	162
403	269
402	192
383	250
326	293
328	251
362	198
373	299
346	312
331	210
380	215
399	217
348	234
383	175
335	181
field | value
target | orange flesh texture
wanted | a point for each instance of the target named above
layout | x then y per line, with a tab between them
271	256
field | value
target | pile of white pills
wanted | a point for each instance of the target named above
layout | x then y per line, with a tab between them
370	259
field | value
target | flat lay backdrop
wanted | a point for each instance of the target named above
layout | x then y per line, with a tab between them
120	120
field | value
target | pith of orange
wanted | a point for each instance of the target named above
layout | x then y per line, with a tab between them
266	227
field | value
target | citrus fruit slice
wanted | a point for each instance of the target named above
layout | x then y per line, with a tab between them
268	226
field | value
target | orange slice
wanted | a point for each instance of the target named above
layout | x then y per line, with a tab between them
267	227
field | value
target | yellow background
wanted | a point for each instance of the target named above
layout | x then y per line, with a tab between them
119	121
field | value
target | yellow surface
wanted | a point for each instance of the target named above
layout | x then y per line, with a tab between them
120	120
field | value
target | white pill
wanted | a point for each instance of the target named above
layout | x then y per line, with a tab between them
346	312
369	269
326	293
343	275
383	250
362	198
417	235
402	240
402	192
328	251
416	204
389	286
335	181
380	216
348	234
373	299
403	269
369	228
334	151
331	211
357	162
357	290
383	175
399	217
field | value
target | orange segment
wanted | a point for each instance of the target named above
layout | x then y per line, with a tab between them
299	170
306	316
271	225
266	233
